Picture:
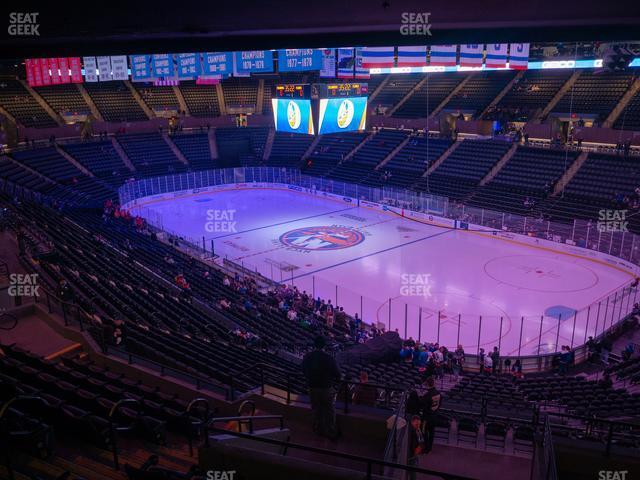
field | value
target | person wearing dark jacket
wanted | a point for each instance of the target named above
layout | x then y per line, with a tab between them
430	405
321	371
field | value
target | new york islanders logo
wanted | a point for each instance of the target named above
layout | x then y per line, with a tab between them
322	238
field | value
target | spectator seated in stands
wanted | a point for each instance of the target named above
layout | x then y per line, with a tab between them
365	394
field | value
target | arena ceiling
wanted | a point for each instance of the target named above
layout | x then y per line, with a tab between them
74	28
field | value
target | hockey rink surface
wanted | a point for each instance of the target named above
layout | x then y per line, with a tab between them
440	280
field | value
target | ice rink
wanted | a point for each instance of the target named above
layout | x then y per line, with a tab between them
431	282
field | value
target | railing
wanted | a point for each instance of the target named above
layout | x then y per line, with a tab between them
607	434
395	450
248	420
548	453
113	428
198	381
4	441
528	337
190	425
368	462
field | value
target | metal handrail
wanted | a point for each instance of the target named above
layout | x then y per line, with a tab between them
370	462
163	367
248	419
393	433
187	414
551	471
112	429
3	411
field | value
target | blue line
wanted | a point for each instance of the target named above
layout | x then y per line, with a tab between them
371	254
282	223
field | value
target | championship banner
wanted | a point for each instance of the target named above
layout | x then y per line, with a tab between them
361	71
119	67
104	69
496	55
75	67
519	56
29	71
63	63
37	72
217	63
443	55
189	65
44	72
299	59
412	56
346	63
253	61
377	57
471	55
90	74
162	65
140	67
328	67
209	80
54	70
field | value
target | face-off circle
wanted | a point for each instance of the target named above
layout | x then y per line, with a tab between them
322	238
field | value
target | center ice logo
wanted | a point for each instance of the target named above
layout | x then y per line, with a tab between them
322	238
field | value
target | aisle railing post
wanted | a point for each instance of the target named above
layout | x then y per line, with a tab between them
613	309
520	341
479	330
540	334
586	328
405	320
558	331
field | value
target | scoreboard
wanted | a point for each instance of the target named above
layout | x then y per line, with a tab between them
334	90
332	107
302	91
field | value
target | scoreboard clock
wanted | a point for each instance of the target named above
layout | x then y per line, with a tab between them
354	89
300	91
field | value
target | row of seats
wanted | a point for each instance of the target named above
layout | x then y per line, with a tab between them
595	93
50	163
64	98
288	149
591	94
532	93
115	101
531	173
19	103
361	167
463	169
150	154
